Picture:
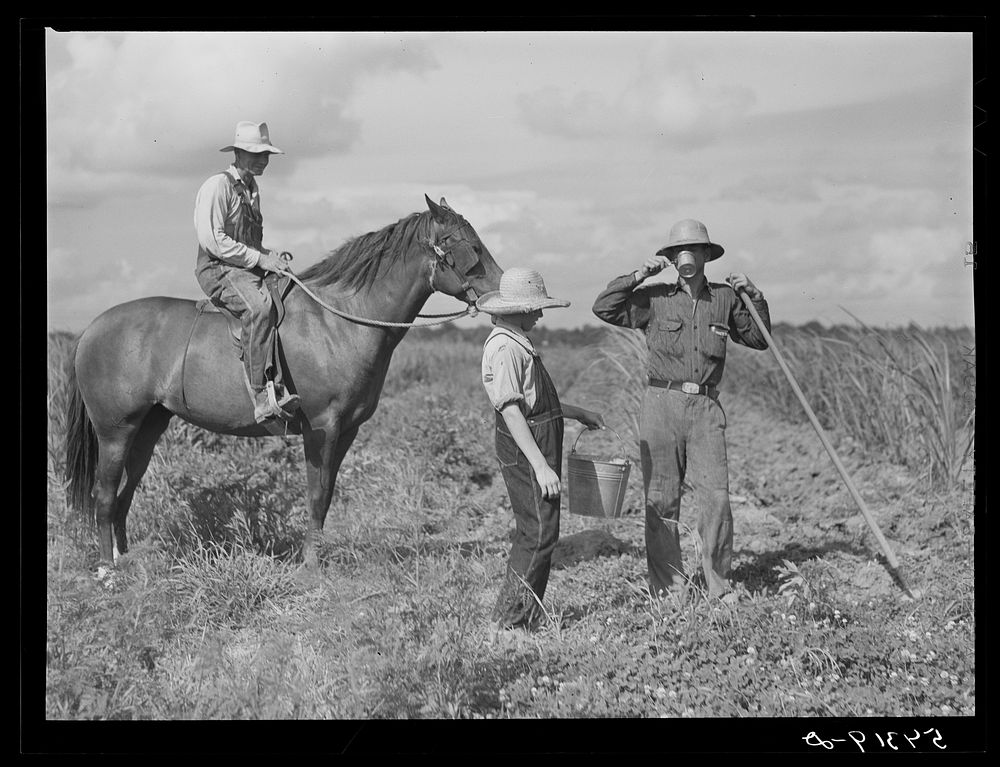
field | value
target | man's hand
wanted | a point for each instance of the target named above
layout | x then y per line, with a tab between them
740	281
651	266
272	261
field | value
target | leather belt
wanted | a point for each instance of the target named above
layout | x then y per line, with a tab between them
548	415
685	386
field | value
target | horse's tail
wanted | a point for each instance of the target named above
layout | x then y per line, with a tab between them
81	446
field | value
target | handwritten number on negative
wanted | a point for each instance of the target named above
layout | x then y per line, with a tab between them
858	737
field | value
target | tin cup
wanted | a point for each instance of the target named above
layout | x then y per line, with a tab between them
685	264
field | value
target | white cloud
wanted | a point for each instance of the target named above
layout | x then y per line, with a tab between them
775	187
914	259
675	106
165	103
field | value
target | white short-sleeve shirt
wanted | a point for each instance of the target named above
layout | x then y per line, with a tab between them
509	367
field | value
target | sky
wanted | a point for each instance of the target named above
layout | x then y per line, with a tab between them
835	168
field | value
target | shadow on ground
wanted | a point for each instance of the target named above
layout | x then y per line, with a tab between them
586	545
762	571
236	512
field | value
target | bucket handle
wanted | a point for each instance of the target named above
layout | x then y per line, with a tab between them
606	428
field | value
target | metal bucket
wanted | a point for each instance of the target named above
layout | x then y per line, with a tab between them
597	485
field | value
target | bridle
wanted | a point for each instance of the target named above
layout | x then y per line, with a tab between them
443	259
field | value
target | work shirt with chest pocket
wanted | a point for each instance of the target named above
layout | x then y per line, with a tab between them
686	336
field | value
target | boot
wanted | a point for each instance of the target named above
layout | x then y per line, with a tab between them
263	409
286	400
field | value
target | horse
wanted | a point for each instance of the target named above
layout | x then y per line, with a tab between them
141	363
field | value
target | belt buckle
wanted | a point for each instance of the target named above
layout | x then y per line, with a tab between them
690	388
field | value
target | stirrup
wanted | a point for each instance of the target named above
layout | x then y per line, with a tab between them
287	401
262	411
266	407
276	407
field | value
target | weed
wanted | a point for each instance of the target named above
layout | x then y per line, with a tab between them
895	392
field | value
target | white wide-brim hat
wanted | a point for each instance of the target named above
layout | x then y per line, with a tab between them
521	291
253	138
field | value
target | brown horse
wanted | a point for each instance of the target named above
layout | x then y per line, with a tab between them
141	363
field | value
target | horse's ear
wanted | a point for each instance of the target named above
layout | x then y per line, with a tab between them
444	204
439	212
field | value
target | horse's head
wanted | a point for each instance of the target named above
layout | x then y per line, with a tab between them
463	265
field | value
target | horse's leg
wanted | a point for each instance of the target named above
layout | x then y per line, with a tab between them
324	454
113	450
136	463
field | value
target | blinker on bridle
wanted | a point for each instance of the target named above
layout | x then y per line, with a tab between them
445	259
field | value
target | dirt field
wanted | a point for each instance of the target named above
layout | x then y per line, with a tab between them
212	616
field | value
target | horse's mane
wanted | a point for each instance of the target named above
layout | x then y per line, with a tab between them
359	261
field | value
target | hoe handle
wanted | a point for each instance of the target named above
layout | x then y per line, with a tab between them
890	557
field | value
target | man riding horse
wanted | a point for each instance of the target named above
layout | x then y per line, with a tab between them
232	263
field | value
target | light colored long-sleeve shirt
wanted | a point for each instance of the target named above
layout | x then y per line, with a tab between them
216	208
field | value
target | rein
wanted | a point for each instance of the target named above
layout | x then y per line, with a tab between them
443	258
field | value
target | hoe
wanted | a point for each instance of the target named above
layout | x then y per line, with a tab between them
894	566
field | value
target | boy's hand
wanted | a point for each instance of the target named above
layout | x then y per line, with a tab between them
592	420
548	481
589	418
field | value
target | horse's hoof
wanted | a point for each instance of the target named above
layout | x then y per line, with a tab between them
307	576
105	575
310	558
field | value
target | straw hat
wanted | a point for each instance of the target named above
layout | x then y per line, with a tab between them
521	291
689	232
253	138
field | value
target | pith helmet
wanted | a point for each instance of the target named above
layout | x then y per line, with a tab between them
689	232
253	138
521	291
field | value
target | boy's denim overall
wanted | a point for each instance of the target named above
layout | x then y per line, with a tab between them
536	518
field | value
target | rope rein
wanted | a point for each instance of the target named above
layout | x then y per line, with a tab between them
437	319
450	317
